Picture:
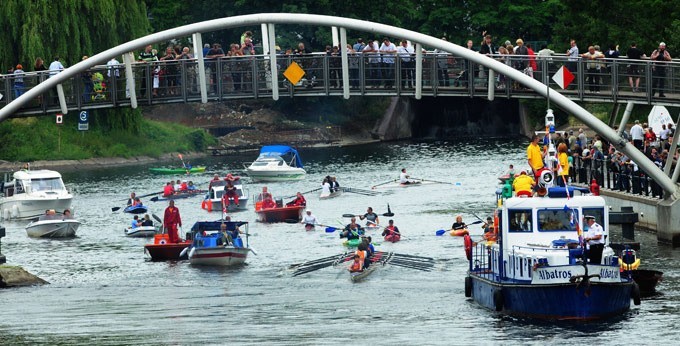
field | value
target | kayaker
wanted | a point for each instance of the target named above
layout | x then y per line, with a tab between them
371	217
362	251
371	248
459	224
391	230
299	201
511	172
171	220
229	192
523	185
352	230
309	220
147	221
137	202
135	222
357	265
404	178
595	240
487	226
168	190
131	199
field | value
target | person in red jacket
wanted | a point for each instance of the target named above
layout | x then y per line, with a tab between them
171	220
268	203
168	190
229	192
298	201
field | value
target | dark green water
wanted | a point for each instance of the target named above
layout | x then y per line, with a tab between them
104	291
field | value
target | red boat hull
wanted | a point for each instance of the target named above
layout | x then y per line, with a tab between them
167	252
280	214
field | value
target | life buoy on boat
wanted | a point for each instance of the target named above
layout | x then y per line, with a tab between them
162	241
467	241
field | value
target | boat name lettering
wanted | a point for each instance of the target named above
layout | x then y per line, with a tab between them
607	273
554	274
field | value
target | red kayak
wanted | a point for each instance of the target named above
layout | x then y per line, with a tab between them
393	238
281	214
163	250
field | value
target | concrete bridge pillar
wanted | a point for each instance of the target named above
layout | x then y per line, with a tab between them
668	224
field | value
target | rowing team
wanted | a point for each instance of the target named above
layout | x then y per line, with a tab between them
178	187
362	257
329	185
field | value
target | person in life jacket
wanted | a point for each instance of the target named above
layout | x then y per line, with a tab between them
268	203
183	186
214	180
391	229
523	185
229	192
298	201
168	190
137	202
357	265
364	253
352	230
131	199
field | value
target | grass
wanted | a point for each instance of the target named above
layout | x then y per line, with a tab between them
31	139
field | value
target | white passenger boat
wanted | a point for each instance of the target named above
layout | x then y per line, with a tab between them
141	231
271	165
30	193
53	226
212	248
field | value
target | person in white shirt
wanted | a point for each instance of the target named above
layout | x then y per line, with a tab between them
404	178
663	136
55	67
309	220
637	134
595	240
325	187
388	50
405	53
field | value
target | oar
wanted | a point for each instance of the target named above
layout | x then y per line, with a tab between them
329	258
438	182
389	214
421	258
442	231
304	193
409	266
183	164
412	261
385	183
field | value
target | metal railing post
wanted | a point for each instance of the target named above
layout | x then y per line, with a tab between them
272	62
129	79
345	63
419	71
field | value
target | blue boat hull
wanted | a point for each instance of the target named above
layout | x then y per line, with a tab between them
554	301
136	209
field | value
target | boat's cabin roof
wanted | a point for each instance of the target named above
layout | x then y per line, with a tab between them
215	226
268	159
37	174
219	185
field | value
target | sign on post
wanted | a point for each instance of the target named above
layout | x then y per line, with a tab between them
83	124
563	77
60	118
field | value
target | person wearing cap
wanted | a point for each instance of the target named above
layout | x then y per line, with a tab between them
637	133
662	56
309	220
534	155
230	193
523	185
595	240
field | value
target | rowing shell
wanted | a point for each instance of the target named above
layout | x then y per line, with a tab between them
330	195
397	184
379	259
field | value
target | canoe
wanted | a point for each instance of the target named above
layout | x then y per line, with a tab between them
392	238
330	195
281	214
136	209
458	232
309	227
177	170
163	250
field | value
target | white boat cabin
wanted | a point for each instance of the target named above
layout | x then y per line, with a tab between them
34	182
543	232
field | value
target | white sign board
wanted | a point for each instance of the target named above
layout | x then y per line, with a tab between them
658	116
562	274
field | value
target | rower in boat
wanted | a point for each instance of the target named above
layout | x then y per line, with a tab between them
523	185
459	228
352	230
299	201
335	186
391	232
309	220
191	187
404	178
358	265
184	187
364	253
177	186
326	187
371	217
168	190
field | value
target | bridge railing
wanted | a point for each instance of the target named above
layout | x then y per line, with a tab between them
606	80
615	176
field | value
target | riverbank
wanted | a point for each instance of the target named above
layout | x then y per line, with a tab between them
98	162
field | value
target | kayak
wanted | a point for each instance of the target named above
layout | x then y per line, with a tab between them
459	232
309	227
136	209
352	242
393	238
177	170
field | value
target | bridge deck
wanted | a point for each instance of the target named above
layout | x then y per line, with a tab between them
249	77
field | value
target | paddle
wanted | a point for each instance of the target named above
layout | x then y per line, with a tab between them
385	183
304	193
442	231
183	164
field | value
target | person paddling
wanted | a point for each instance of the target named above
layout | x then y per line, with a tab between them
309	220
459	224
131	199
352	230
391	232
371	217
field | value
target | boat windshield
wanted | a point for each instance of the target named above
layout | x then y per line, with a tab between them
265	161
47	184
551	220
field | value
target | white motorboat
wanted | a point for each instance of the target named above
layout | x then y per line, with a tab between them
213	200
30	193
53	226
141	231
212	247
271	165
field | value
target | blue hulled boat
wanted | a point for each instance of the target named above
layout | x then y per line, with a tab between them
537	267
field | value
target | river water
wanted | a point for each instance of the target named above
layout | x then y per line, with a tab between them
105	291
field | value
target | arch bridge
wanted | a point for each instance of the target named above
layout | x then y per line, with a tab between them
669	221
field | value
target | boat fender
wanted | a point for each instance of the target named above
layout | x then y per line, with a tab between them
15	211
468	246
210	205
184	251
635	293
468	287
498	299
192	252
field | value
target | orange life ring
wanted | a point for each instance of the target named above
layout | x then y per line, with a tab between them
468	246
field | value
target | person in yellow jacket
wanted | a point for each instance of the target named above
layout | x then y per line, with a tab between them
523	185
534	155
563	159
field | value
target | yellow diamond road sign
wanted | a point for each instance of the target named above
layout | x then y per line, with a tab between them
294	73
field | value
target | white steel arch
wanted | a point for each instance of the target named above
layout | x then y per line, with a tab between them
364	26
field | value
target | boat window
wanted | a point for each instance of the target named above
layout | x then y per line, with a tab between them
520	220
555	220
599	217
47	184
19	186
